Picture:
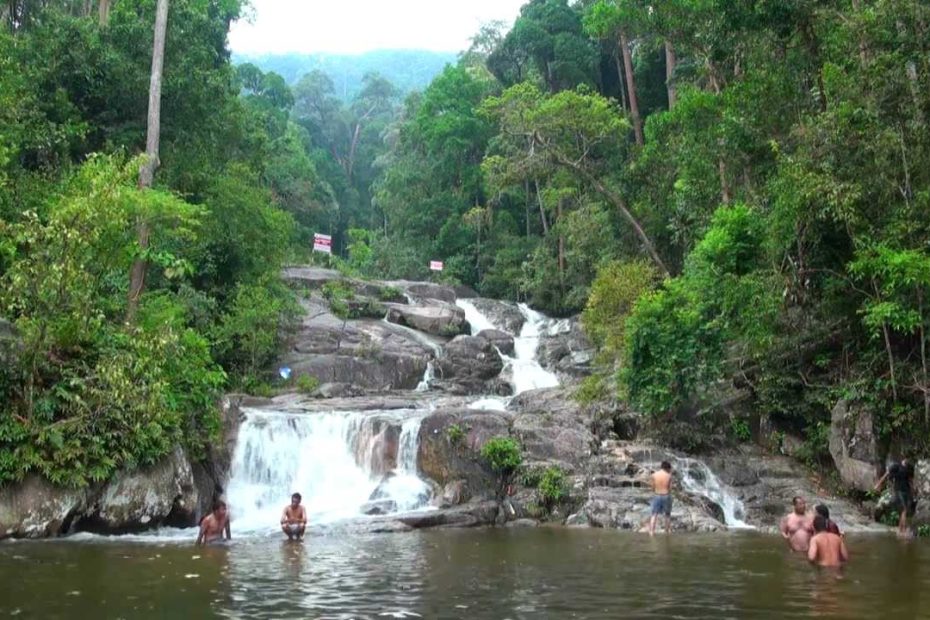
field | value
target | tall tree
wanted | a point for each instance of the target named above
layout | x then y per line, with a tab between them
147	172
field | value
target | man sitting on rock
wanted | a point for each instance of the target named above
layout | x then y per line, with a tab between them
797	528
662	500
901	475
294	519
214	525
826	548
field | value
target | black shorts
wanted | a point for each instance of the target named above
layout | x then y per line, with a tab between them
903	501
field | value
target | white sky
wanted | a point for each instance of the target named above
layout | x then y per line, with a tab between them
353	26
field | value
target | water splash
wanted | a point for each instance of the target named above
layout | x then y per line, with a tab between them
428	376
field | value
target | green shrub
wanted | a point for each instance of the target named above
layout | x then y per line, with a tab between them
390	293
552	487
455	434
307	384
502	454
739	428
531	476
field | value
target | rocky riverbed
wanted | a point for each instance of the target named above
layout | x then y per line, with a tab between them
412	348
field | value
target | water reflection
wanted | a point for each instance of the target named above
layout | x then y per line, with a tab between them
477	575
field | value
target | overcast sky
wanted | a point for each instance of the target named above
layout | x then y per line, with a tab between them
352	26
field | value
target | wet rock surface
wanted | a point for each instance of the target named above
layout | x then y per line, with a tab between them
565	349
853	445
470	365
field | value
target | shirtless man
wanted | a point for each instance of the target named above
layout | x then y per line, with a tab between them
662	500
797	528
214	525
294	519
826	548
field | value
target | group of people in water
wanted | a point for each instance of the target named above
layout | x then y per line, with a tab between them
215	526
815	534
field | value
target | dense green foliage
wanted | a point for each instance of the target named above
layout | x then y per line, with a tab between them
737	195
85	391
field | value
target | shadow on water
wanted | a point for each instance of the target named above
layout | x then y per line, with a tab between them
488	574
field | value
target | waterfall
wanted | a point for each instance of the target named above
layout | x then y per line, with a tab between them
329	458
698	478
428	376
525	371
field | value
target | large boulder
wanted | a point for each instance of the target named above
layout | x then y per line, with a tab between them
450	443
853	445
500	340
368	354
165	493
565	349
422	291
504	315
375	444
922	492
438	319
551	426
35	508
467	365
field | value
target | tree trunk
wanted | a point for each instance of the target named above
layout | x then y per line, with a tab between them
631	88
561	247
620	80
147	173
923	356
863	47
526	189
724	184
620	204
670	62
104	12
542	210
888	350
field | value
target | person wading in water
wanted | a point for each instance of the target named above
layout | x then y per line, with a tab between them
797	528
662	500
826	548
214	525
824	512
294	518
902	476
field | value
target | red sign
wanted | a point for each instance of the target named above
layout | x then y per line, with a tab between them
322	243
435	265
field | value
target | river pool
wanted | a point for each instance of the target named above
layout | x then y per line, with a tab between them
473	574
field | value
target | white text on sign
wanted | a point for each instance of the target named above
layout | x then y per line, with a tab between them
435	265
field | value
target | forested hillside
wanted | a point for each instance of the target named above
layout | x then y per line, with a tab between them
408	70
735	195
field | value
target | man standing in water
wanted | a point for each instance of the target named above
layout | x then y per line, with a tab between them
901	474
662	500
294	519
826	548
213	526
797	528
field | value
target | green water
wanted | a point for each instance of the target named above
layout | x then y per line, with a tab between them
492	574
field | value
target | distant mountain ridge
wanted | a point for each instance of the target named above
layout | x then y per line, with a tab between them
409	70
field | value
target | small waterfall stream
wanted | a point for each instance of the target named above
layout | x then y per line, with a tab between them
698	478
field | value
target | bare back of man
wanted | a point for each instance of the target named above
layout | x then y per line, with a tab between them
661	503
827	549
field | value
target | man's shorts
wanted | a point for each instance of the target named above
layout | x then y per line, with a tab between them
293	528
902	501
662	505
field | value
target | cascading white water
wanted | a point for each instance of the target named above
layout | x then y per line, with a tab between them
315	455
525	371
428	376
405	488
698	478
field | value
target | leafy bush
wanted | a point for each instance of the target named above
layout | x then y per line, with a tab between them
455	434
502	454
552	487
307	384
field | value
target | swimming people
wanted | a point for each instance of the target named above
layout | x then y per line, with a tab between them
826	548
294	518
901	475
214	525
824	512
662	500
796	528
